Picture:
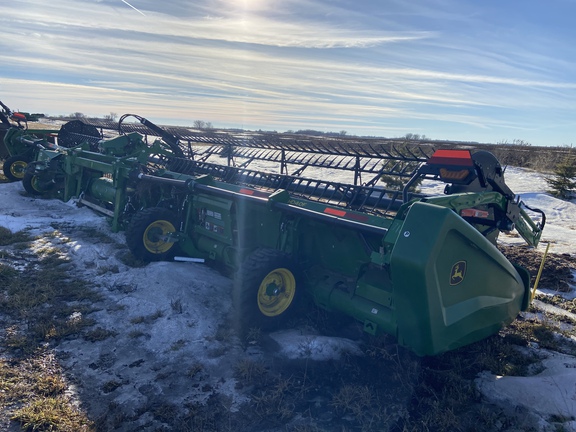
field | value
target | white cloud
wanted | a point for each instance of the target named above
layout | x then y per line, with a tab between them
268	64
249	29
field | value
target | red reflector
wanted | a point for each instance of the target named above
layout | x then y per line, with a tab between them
334	212
475	213
451	157
247	191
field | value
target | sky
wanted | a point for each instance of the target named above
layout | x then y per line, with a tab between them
489	71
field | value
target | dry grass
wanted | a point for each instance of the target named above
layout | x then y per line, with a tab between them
35	301
7	237
32	393
40	125
52	414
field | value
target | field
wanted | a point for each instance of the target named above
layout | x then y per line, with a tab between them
94	340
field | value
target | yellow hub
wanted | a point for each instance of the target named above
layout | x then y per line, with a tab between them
154	235
276	292
34	183
18	169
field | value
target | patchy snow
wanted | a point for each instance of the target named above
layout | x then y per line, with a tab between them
548	394
560	229
172	316
295	345
168	318
551	393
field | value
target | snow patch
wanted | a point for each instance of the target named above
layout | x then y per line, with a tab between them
295	345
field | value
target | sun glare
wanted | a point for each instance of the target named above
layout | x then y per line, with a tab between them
251	4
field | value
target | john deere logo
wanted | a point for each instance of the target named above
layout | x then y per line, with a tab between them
458	273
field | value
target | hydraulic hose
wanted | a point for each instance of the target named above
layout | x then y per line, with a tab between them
167	137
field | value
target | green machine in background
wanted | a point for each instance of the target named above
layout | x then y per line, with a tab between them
19	145
424	269
15	153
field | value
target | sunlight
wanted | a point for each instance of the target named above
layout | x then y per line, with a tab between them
252	4
247	6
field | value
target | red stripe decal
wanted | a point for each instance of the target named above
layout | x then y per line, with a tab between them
334	212
247	191
357	217
474	213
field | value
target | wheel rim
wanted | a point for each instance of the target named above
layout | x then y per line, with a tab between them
18	168
276	292
154	234
34	182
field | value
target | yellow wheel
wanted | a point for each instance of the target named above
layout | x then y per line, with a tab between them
34	185
15	167
267	290
154	237
146	235
18	169
276	292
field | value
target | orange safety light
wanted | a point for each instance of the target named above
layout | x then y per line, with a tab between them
449	175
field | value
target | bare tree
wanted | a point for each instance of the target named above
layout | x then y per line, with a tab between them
415	137
203	125
199	124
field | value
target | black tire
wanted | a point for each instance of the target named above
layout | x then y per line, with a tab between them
34	185
267	290
145	231
15	167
